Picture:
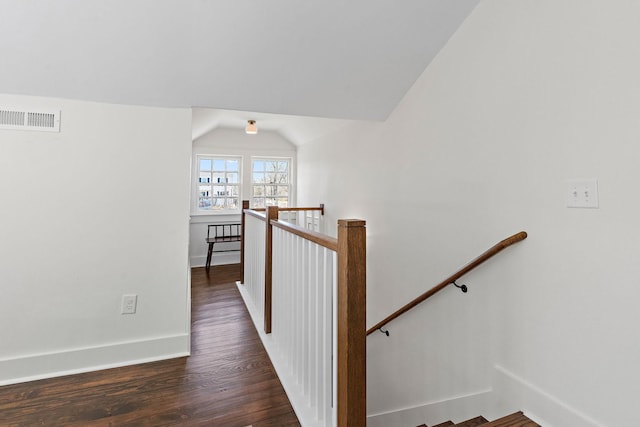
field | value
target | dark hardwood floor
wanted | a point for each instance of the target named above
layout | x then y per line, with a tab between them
227	381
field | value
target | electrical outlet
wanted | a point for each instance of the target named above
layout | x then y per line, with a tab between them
129	304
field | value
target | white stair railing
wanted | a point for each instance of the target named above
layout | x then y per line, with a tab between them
254	253
304	279
306	294
311	219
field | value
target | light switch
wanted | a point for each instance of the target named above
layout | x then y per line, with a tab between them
582	193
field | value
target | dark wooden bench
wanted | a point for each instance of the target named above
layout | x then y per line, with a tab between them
221	233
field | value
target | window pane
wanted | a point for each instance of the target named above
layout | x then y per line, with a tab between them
270	178
218	164
218	203
283	167
271	190
204	203
232	203
283	202
234	190
232	177
258	178
232	165
218	190
204	177
258	166
282	178
258	190
283	190
258	202
271	166
205	190
205	164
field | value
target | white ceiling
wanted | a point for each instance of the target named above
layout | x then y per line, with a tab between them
350	59
294	64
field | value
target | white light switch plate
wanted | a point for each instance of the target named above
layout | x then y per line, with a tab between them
582	193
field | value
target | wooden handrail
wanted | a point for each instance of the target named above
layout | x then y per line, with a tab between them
254	213
259	212
449	280
314	208
319	238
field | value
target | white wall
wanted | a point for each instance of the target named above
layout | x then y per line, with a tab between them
231	142
96	211
527	95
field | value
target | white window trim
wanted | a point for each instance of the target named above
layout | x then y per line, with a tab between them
195	209
292	177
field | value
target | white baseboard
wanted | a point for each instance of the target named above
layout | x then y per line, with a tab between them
542	407
56	364
220	258
509	393
464	407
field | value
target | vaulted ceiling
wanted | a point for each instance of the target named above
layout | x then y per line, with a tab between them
350	59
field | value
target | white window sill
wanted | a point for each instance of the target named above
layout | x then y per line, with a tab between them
201	217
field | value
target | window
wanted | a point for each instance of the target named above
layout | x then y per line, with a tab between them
271	182
218	183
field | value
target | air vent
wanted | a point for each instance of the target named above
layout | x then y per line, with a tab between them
17	119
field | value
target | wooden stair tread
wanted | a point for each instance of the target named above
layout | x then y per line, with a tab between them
473	422
517	419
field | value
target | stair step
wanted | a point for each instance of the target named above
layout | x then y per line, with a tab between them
517	419
514	420
473	422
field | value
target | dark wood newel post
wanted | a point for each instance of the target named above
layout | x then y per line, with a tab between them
271	214
352	328
245	205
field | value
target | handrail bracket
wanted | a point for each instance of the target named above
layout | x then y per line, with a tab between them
463	288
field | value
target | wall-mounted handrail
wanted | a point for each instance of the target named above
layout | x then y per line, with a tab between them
449	280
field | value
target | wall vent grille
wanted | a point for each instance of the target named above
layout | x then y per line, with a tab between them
18	119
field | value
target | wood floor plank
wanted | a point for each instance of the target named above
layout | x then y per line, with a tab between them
227	381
